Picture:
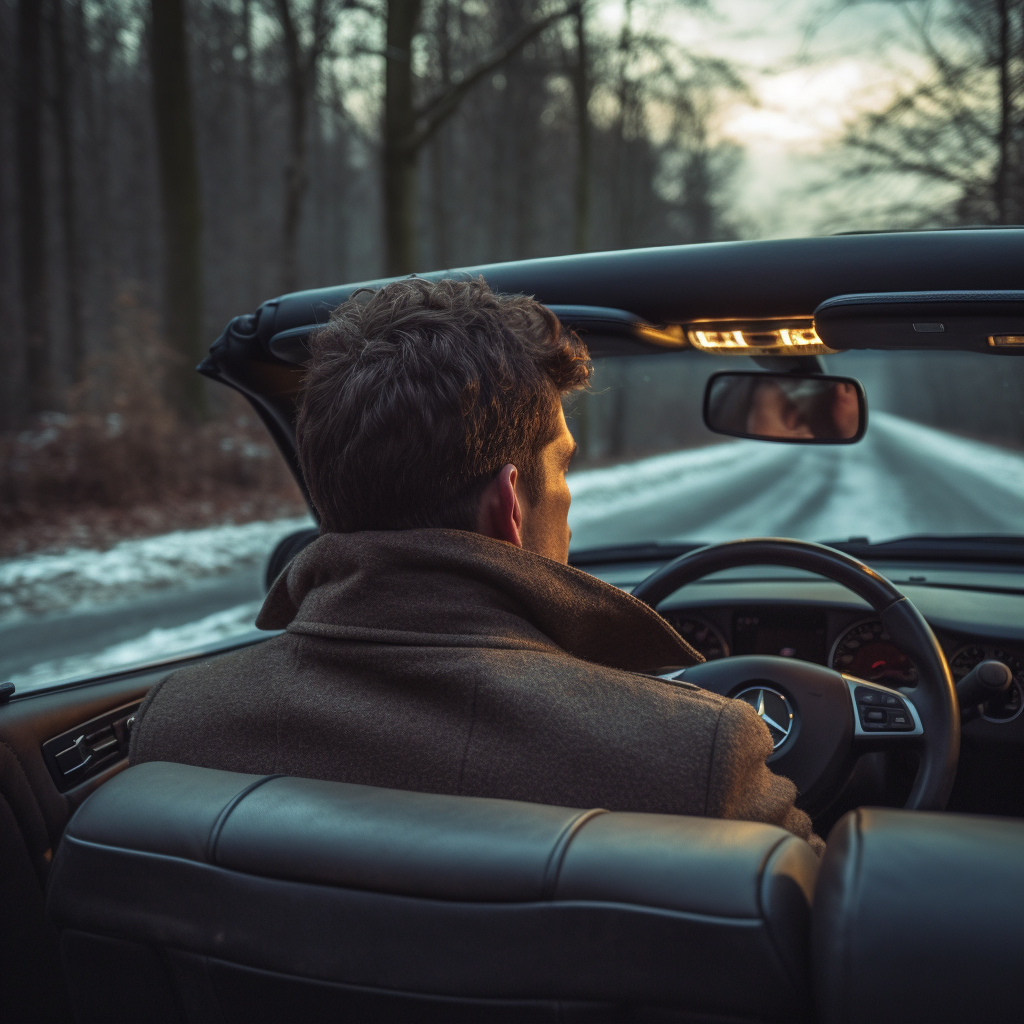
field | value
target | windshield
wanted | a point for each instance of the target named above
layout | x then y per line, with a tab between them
943	455
156	183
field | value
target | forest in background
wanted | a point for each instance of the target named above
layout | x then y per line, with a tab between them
188	183
165	165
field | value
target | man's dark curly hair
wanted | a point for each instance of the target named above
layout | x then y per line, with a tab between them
419	392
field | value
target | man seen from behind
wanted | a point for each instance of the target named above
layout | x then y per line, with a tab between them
435	638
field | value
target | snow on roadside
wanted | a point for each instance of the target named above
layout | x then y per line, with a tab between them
152	646
44	583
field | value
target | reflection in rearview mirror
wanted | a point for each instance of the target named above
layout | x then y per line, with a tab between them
797	408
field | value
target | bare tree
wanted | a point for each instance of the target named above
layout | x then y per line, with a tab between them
399	128
627	124
956	133
180	200
176	145
439	152
31	203
62	103
581	90
408	127
302	66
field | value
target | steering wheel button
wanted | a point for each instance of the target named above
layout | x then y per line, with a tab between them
866	696
874	715
900	720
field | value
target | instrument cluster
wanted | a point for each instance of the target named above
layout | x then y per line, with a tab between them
863	648
701	635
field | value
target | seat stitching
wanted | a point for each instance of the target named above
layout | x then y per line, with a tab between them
553	868
218	825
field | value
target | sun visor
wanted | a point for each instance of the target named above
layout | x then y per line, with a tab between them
606	331
979	321
610	331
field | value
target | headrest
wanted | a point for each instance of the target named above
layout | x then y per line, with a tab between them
918	918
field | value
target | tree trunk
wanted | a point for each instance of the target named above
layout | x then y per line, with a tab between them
1005	117
296	172
95	58
399	125
253	209
698	205
581	86
31	212
180	201
439	152
524	121
403	138
622	184
68	205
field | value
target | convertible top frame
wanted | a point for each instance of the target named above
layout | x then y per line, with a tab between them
632	302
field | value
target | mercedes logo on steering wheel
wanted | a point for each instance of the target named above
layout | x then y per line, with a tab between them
773	709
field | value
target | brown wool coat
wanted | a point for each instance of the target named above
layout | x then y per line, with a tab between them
445	662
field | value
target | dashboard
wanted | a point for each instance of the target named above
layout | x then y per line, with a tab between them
976	612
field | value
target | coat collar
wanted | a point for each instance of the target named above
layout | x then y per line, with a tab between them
461	589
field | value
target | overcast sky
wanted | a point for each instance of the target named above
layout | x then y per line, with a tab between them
811	65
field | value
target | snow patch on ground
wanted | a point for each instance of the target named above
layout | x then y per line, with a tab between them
45	583
903	478
232	623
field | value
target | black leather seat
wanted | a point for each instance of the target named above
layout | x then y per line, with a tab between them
188	894
920	917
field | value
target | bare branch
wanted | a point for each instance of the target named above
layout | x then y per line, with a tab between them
433	114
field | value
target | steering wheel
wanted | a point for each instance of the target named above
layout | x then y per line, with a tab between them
833	717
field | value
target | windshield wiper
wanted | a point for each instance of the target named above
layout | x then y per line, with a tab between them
947	548
1003	548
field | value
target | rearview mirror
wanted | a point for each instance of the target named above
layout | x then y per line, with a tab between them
790	407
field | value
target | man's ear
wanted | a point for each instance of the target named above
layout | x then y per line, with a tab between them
501	515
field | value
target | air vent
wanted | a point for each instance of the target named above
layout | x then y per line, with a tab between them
89	748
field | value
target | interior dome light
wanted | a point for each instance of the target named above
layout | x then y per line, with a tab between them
752	338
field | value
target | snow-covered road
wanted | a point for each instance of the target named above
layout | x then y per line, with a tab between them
86	612
903	478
